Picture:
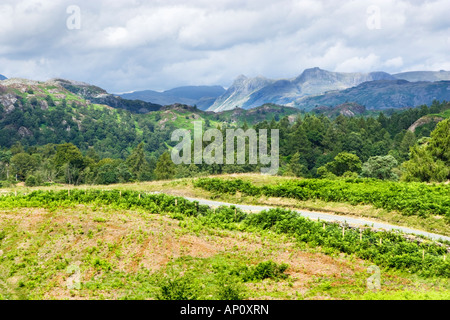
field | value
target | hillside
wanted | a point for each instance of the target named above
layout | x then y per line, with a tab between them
182	116
266	112
56	111
348	109
35	114
382	94
98	95
38	113
427	123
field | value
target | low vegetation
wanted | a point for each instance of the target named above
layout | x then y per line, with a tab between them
133	245
408	198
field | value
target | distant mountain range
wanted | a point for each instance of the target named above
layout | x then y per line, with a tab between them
2	77
56	111
413	76
313	87
320	87
248	93
201	96
382	94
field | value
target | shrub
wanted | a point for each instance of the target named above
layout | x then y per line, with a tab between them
32	181
180	288
265	270
230	291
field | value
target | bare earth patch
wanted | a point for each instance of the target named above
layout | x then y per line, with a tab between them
130	241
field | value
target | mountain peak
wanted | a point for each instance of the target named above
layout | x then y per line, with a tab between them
313	73
240	78
239	92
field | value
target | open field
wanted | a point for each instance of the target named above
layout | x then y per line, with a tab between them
70	250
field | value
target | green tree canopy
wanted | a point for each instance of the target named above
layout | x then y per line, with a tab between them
430	161
380	167
138	165
165	168
344	162
68	153
295	167
23	164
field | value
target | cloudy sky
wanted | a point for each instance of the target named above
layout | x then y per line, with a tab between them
125	45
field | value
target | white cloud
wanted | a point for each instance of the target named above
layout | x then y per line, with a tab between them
358	64
131	45
394	62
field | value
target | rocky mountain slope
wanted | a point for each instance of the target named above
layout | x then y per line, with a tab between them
238	95
98	95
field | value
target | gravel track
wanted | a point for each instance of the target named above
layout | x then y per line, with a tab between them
328	217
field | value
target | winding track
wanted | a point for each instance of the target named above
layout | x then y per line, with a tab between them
327	217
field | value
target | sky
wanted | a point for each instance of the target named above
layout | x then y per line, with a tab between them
128	45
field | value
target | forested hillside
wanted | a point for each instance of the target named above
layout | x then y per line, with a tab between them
50	134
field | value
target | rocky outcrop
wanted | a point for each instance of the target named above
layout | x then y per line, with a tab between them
97	95
44	104
424	120
24	132
349	109
8	100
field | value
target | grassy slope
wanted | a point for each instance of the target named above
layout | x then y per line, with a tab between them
132	254
182	116
445	114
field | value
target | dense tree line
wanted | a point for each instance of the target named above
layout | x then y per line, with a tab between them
64	163
111	146
374	147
